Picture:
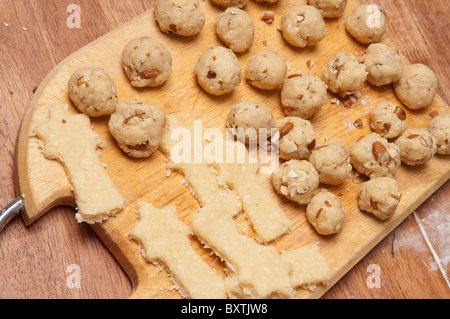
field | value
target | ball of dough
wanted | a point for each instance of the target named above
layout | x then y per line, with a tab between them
218	71
374	156
303	95
296	180
367	23
248	119
325	213
382	64
417	146
266	70
417	86
235	28
297	138
332	162
182	17
387	119
329	8
138	127
231	3
93	91
303	26
268	1
439	126
379	196
146	62
344	75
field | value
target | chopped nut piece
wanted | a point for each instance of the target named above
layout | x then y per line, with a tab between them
309	64
400	113
359	123
413	136
387	126
378	149
268	16
311	145
434	114
286	129
211	75
149	74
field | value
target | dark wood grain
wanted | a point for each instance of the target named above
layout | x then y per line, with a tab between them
34	259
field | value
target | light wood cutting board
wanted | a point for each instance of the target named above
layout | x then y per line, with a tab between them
45	185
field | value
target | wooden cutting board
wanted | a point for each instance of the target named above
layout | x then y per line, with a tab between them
45	185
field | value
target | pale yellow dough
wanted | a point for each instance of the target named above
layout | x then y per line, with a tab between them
297	138
383	64
266	70
182	17
439	126
303	95
325	213
164	239
146	62
388	119
303	26
367	23
230	3
235	28
296	180
93	91
344	75
69	139
417	146
379	196
374	156
332	162
329	8
138	127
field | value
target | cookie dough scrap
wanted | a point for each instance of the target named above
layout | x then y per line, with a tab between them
268	220
163	238
310	266
256	271
69	139
198	176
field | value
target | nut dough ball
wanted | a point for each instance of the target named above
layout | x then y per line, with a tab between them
344	75
417	86
182	17
231	3
218	71
379	196
439	126
138	127
382	64
303	95
325	213
146	62
332	162
266	70
93	91
388	120
417	146
296	180
268	1
247	119
297	138
367	23
235	28
303	26
374	156
329	8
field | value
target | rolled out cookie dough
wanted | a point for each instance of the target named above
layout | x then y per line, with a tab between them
182	17
70	140
93	91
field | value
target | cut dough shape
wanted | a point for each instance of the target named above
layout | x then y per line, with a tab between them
310	266
69	139
163	238
258	270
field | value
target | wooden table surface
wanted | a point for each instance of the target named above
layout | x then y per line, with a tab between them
411	262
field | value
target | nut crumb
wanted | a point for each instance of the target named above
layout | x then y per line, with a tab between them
359	123
309	64
268	17
433	114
